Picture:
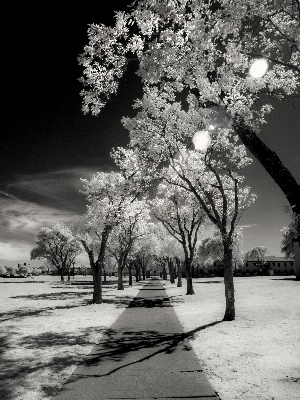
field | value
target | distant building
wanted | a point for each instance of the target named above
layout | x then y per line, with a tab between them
272	266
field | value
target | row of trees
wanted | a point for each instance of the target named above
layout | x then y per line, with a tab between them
199	52
118	214
193	60
21	270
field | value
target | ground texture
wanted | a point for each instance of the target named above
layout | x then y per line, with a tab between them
48	327
257	356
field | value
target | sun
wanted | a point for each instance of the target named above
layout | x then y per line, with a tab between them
259	68
201	140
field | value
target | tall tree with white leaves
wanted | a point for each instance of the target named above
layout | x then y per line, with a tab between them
182	216
208	50
109	195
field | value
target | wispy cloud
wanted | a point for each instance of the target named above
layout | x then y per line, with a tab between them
20	220
34	201
59	189
247	226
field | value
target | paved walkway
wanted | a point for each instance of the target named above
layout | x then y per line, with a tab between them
144	355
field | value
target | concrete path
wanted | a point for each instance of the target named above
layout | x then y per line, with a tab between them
144	355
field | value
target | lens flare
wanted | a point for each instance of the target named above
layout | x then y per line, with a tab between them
259	68
201	140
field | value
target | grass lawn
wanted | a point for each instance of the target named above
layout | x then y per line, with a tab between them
47	327
255	357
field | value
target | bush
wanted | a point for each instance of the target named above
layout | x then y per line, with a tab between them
24	270
2	270
36	272
11	270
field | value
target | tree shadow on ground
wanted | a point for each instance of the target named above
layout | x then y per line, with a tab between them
119	346
15	373
127	301
209	282
22	313
52	339
53	296
118	349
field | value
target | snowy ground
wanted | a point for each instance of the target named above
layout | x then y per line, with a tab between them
255	357
47	328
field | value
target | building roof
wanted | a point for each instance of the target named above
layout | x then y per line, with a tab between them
275	258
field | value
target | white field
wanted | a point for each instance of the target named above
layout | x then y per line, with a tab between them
47	328
255	357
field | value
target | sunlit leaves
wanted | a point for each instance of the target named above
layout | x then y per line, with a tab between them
57	244
109	194
198	46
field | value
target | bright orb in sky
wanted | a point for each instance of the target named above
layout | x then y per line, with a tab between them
259	68
201	140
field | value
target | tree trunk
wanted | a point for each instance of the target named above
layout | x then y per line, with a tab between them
97	282
99	266
136	273
144	274
165	275
171	271
130	276
229	285
62	274
104	275
189	279
273	165
179	277
120	278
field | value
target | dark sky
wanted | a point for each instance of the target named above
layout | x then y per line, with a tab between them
48	144
44	123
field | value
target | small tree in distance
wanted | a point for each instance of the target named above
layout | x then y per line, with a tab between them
59	246
257	254
3	270
211	249
288	236
25	270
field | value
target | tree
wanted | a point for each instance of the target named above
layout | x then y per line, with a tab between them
257	254
167	252
109	195
127	233
11	269
58	245
2	270
144	253
215	181
36	271
182	216
211	249
288	234
204	49
159	147
24	269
